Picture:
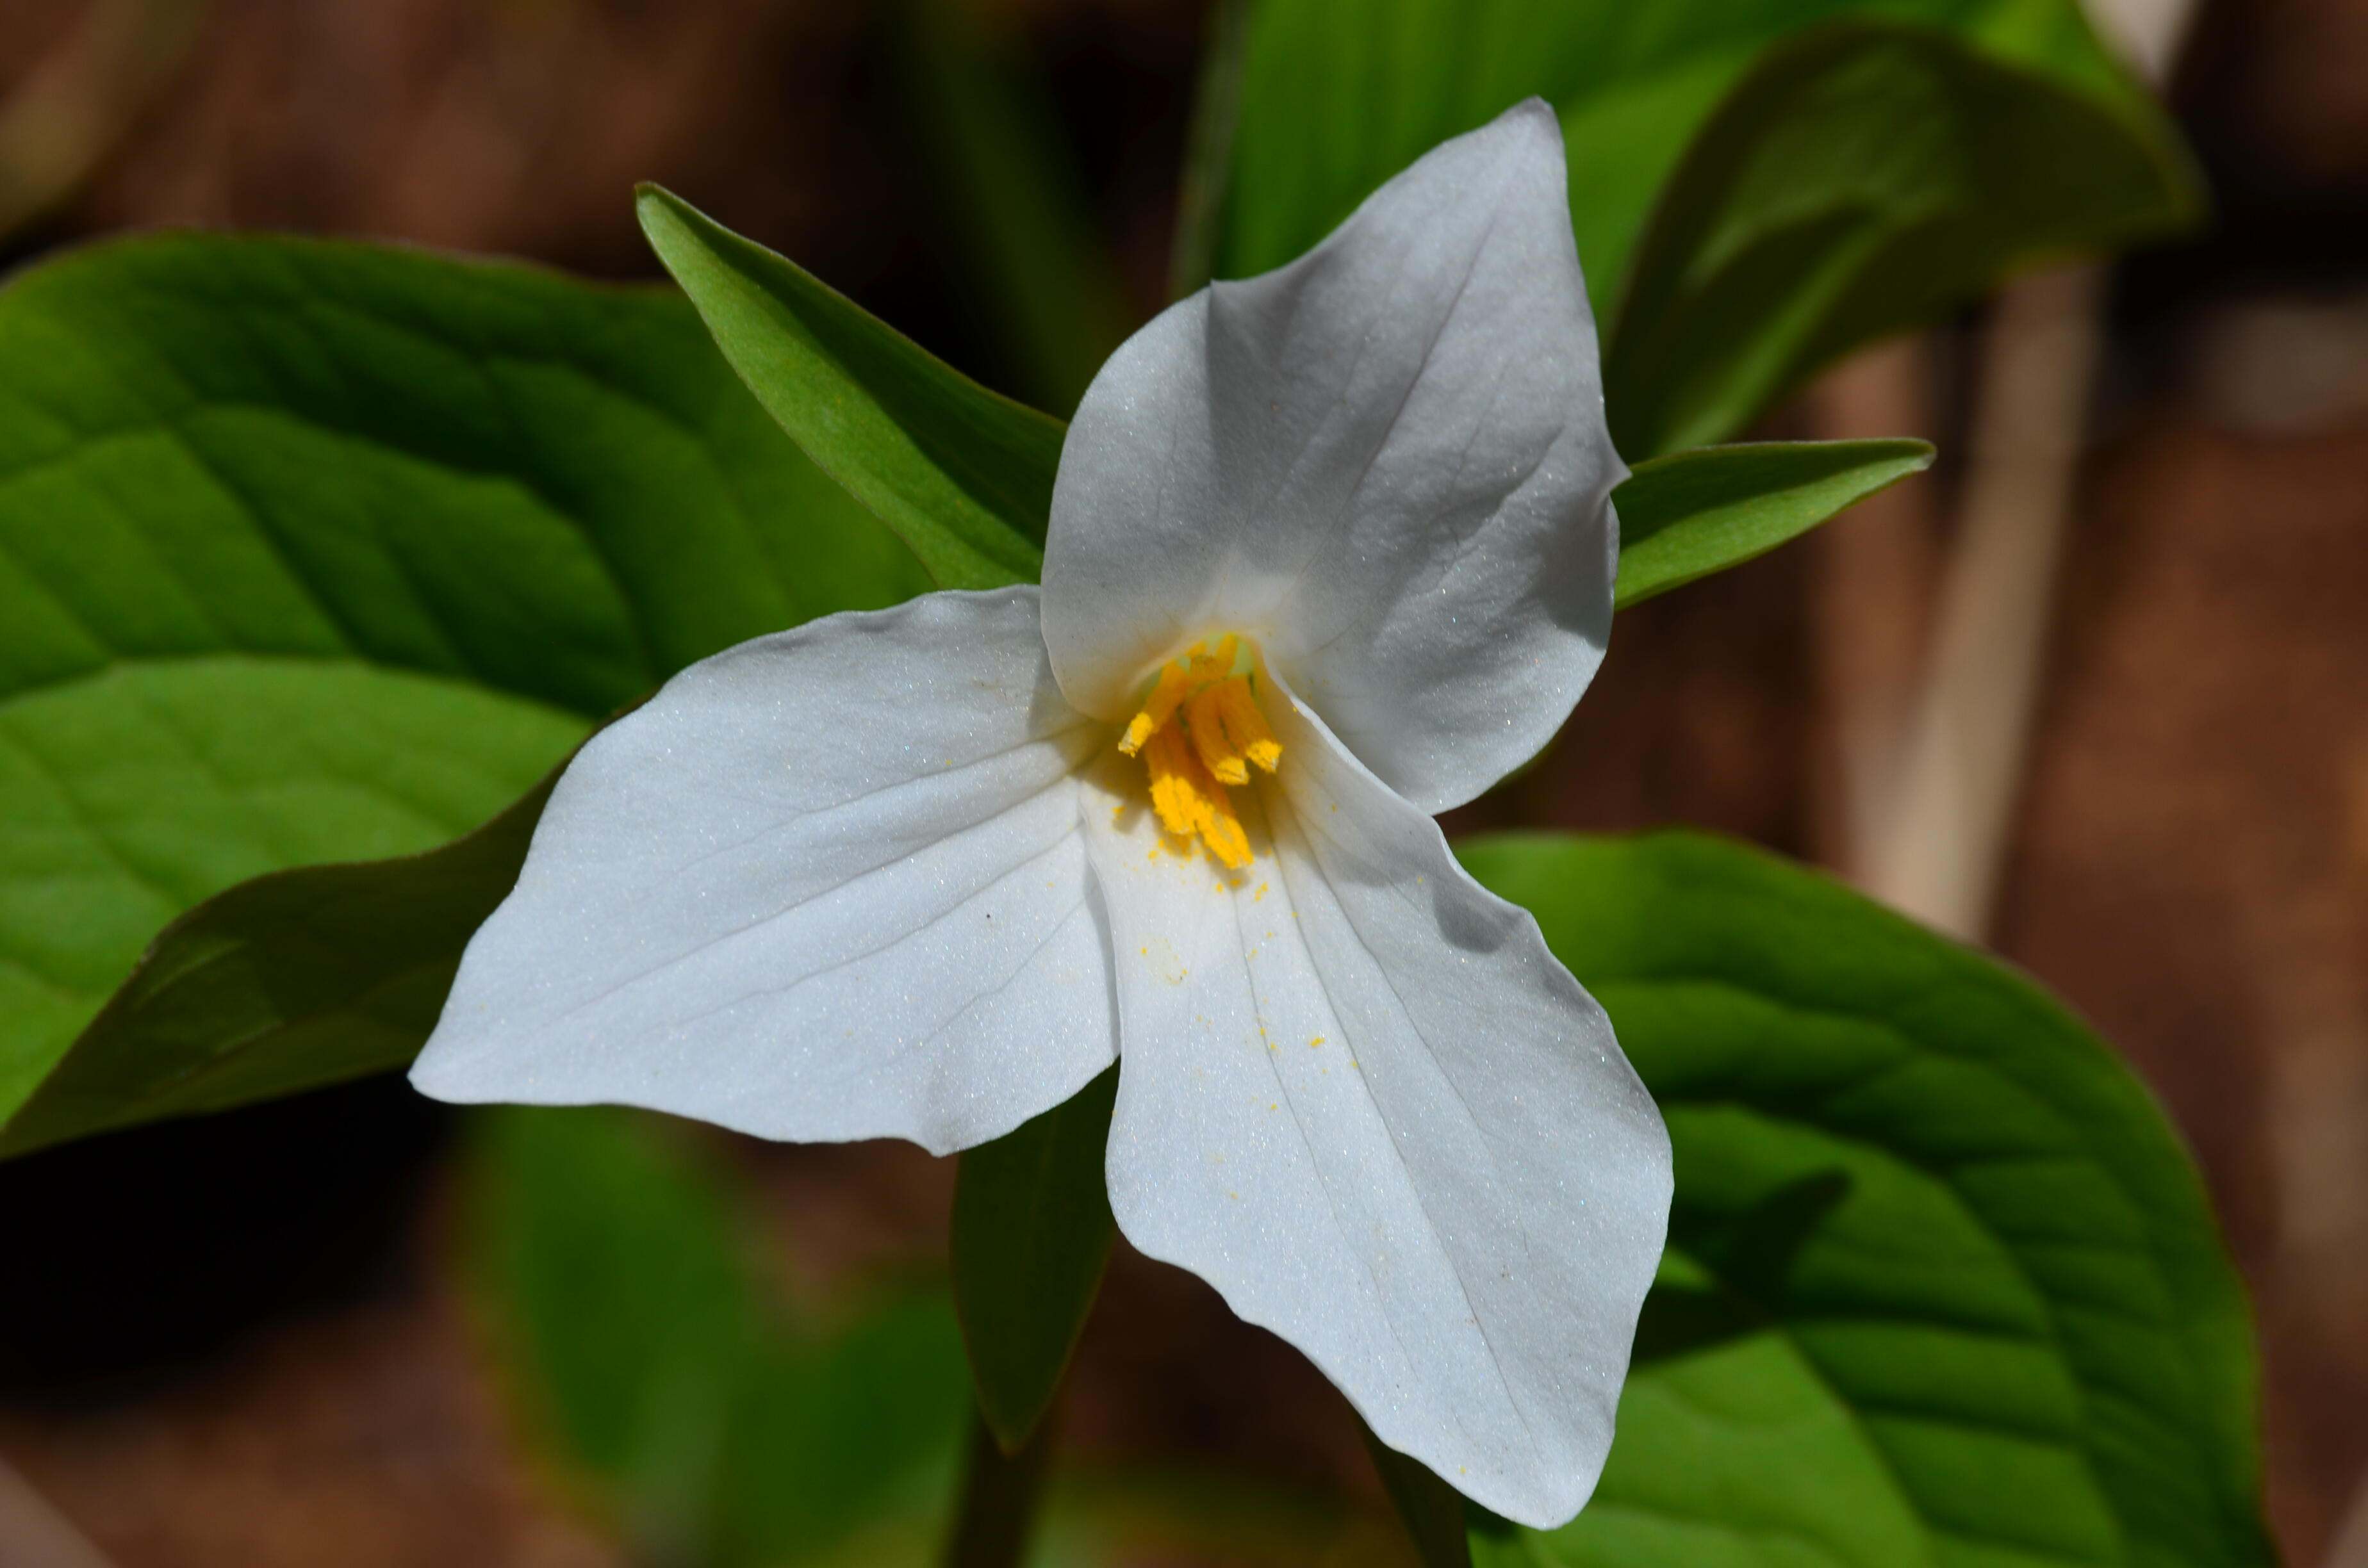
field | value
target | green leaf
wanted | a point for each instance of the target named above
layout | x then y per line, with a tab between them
296	979
613	1286
1340	95
962	475
1862	179
1031	1229
1208	148
866	1415
1038	273
624	1290
315	553
636	1334
1690	514
1942	1286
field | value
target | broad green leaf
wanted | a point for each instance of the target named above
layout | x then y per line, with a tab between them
624	1291
1339	95
295	979
1032	261
1944	1289
613	1284
1863	179
1031	1229
866	1414
624	1294
317	552
1693	513
962	475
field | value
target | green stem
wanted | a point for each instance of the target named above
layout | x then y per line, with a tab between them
1431	1510
999	1498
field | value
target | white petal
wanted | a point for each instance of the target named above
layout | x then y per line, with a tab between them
1358	1097
1387	460
828	884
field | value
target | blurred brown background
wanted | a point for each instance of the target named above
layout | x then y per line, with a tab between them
2185	855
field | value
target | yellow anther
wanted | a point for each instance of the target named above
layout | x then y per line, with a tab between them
1245	727
1189	802
1222	830
1174	686
1171	784
1199	731
1201	716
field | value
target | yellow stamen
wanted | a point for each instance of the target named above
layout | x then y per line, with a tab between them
1174	687
1199	731
1245	727
1171	787
1189	801
1201	716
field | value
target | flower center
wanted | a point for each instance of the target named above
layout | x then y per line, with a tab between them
1200	730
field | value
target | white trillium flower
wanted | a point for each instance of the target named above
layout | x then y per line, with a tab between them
1331	551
